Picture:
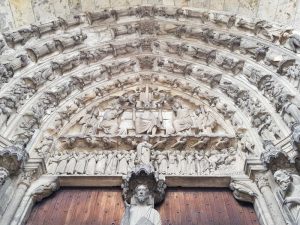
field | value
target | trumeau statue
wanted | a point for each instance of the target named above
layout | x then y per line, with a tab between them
289	194
142	188
140	212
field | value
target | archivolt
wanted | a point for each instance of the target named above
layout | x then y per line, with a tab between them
213	57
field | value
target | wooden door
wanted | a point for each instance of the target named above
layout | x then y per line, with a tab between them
104	206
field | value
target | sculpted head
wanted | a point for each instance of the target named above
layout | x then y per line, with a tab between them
283	179
146	138
141	193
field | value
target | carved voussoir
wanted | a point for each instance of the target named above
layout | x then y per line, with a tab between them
36	52
101	16
43	187
69	41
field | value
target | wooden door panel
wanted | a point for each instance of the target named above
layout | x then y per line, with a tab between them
104	206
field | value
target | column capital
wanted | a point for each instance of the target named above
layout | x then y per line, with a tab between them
262	181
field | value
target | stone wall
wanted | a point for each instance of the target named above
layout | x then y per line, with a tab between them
17	13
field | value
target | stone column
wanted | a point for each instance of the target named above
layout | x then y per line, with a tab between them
17	198
39	189
265	189
19	193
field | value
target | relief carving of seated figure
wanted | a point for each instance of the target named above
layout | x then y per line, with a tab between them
148	123
110	124
140	211
182	122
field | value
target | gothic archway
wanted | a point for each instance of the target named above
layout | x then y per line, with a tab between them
217	89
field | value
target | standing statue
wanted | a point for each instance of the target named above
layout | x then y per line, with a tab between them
81	162
143	151
123	158
91	164
101	163
181	158
63	160
172	163
72	163
289	194
140	212
202	163
162	163
131	159
190	167
111	163
53	162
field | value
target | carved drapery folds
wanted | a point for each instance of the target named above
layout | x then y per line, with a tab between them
185	139
167	162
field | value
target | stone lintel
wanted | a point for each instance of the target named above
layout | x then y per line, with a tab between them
171	181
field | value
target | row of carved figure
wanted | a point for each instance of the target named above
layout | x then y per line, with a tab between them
9	66
270	87
28	86
281	63
285	65
171	162
262	28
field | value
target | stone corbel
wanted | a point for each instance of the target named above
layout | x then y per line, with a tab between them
244	189
38	190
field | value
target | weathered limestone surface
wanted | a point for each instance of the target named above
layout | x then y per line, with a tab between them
16	13
188	93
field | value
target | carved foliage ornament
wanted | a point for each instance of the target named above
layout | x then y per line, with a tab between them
12	158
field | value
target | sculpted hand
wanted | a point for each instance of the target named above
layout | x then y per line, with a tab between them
127	205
